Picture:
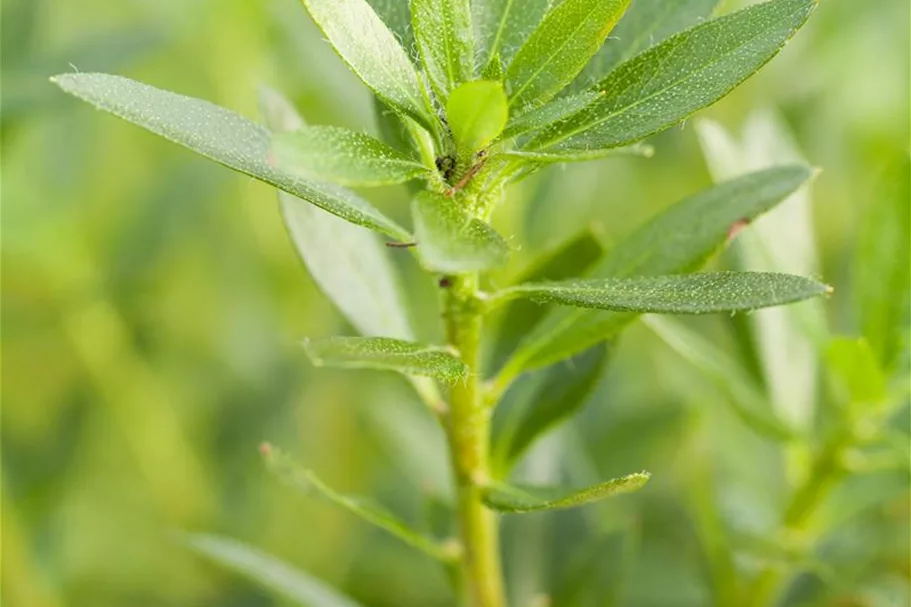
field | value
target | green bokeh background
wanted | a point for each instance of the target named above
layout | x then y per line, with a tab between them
153	303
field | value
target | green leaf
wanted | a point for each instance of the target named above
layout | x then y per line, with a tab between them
397	17
372	52
269	572
684	74
678	240
305	481
881	268
336	154
705	293
638	150
518	499
350	264
570	34
477	114
646	24
445	41
405	357
549	113
218	134
853	364
501	26
450	241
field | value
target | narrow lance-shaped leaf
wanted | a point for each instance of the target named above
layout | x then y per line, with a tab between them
396	14
336	154
301	479
386	354
680	76
445	41
548	114
570	34
219	134
518	499
450	241
477	113
269	572
501	26
678	240
706	293
372	52
350	264
637	150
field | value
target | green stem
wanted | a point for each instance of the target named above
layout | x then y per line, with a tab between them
468	431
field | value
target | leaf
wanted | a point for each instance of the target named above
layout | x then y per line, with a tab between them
350	264
854	365
501	26
678	240
336	154
218	134
397	17
445	41
570	34
646	24
705	293
372	52
680	76
305	481
452	242
477	114
518	499
269	572
405	357
547	114
881	268
638	150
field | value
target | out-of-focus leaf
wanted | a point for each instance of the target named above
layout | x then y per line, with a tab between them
218	134
501	26
570	34
445	41
678	240
645	24
304	480
350	264
405	357
640	150
549	113
680	76
336	154
855	366
881	270
372	52
703	293
477	113
269	572
450	241
512	499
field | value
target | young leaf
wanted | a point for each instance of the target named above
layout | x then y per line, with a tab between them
350	264
269	572
477	113
514	499
501	26
570	34
678	240
405	357
684	74
705	293
452	242
645	24
305	481
336	154
638	150
445	41
547	114
372	52
218	134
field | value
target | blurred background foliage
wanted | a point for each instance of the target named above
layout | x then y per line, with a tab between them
153	304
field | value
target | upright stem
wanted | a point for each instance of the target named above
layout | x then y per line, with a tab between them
468	431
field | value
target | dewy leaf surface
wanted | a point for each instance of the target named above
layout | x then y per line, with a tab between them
405	357
450	241
297	587
678	240
477	113
336	154
350	264
221	135
680	76
570	34
519	499
445	40
304	480
372	52
501	26
397	17
548	114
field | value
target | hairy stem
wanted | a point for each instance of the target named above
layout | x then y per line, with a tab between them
468	431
